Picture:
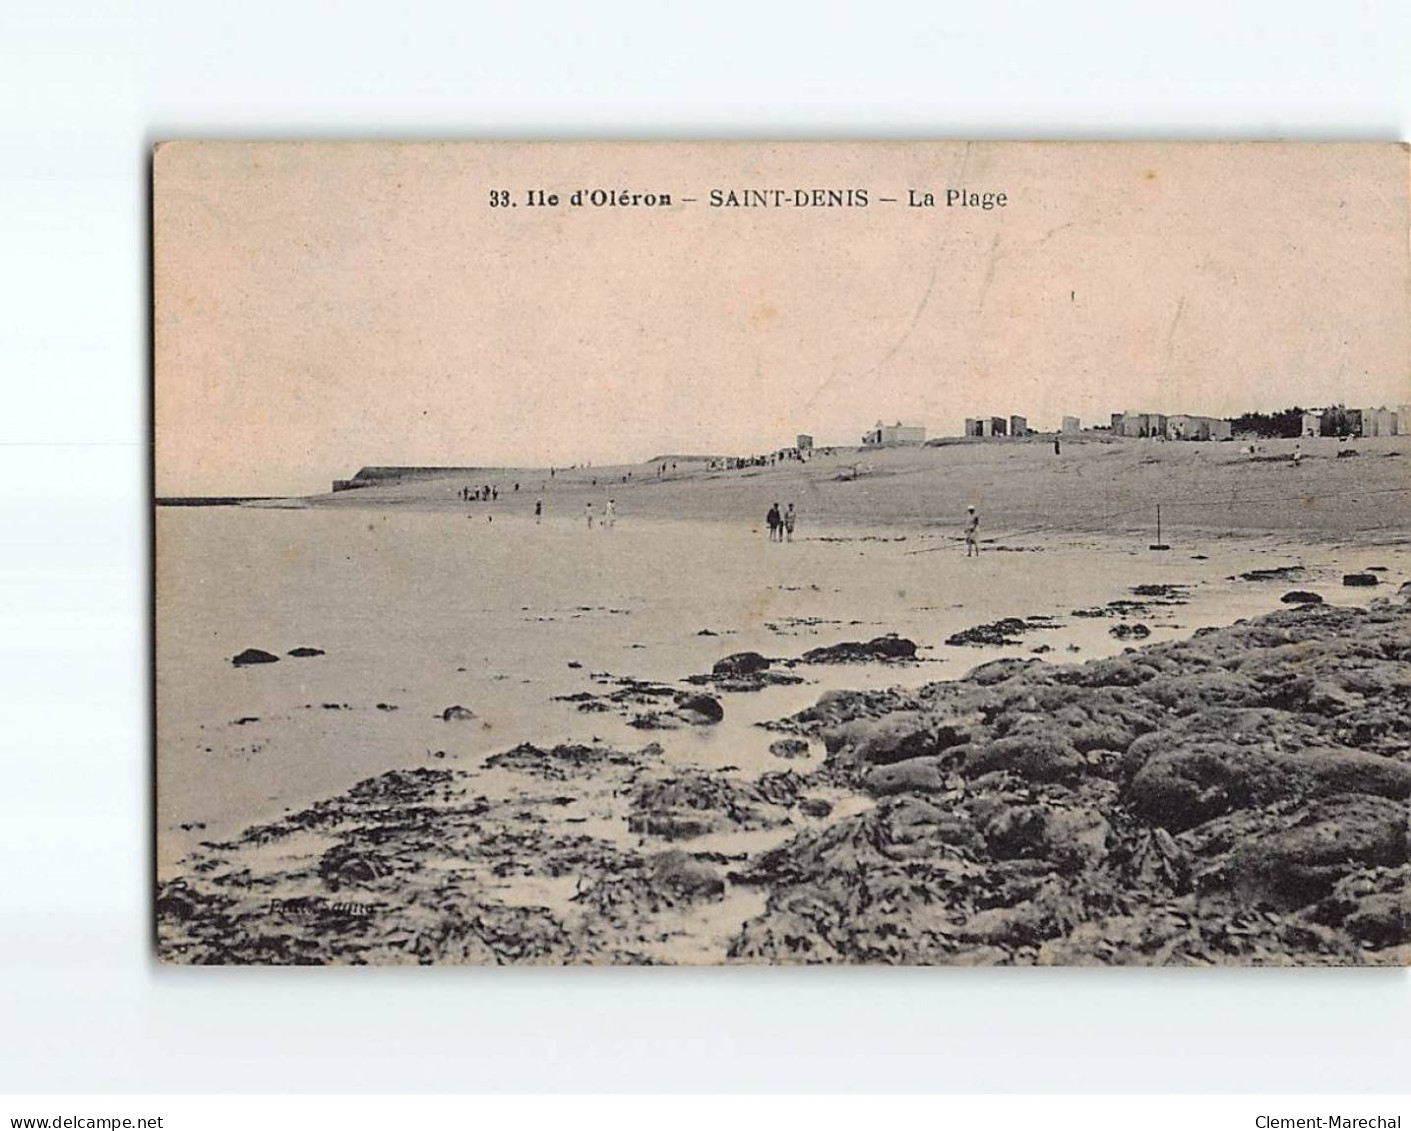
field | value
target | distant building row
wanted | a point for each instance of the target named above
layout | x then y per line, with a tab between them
996	426
1178	426
1340	421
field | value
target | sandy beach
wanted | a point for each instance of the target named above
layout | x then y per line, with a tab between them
598	744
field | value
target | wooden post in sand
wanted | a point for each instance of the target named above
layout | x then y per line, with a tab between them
1158	544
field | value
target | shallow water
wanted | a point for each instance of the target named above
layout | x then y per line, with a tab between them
420	611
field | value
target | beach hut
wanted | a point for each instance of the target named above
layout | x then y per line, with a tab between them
897	433
1378	422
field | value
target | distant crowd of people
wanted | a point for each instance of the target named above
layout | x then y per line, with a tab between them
783	455
485	494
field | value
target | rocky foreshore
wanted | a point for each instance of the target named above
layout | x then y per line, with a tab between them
1237	798
1240	797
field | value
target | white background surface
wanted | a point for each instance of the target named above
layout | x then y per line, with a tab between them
86	89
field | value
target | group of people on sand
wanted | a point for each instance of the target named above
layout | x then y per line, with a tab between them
609	519
781	523
486	494
781	526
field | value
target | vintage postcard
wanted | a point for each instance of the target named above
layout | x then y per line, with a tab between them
745	553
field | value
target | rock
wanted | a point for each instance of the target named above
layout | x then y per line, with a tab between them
1181	788
997	671
694	803
457	714
655	720
1125	631
568	760
1360	579
176	900
919	775
1001	632
305	651
1168	593
254	656
815	807
1031	756
880	648
699	709
1301	597
1152	861
1300	862
342	866
1071	838
789	748
1278	573
744	671
1380	921
741	663
1155	807
682	874
896	737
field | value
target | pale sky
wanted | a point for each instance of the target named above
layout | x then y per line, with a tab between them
325	306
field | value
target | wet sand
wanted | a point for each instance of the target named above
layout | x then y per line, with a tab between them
576	642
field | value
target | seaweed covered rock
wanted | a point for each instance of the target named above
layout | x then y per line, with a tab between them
1036	757
1209	775
879	648
745	671
568	759
1005	631
1242	796
695	803
740	663
699	709
897	737
916	775
789	748
685	875
1302	860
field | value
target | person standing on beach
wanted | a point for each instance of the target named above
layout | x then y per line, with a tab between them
590	516
774	521
789	519
610	514
972	533
538	511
